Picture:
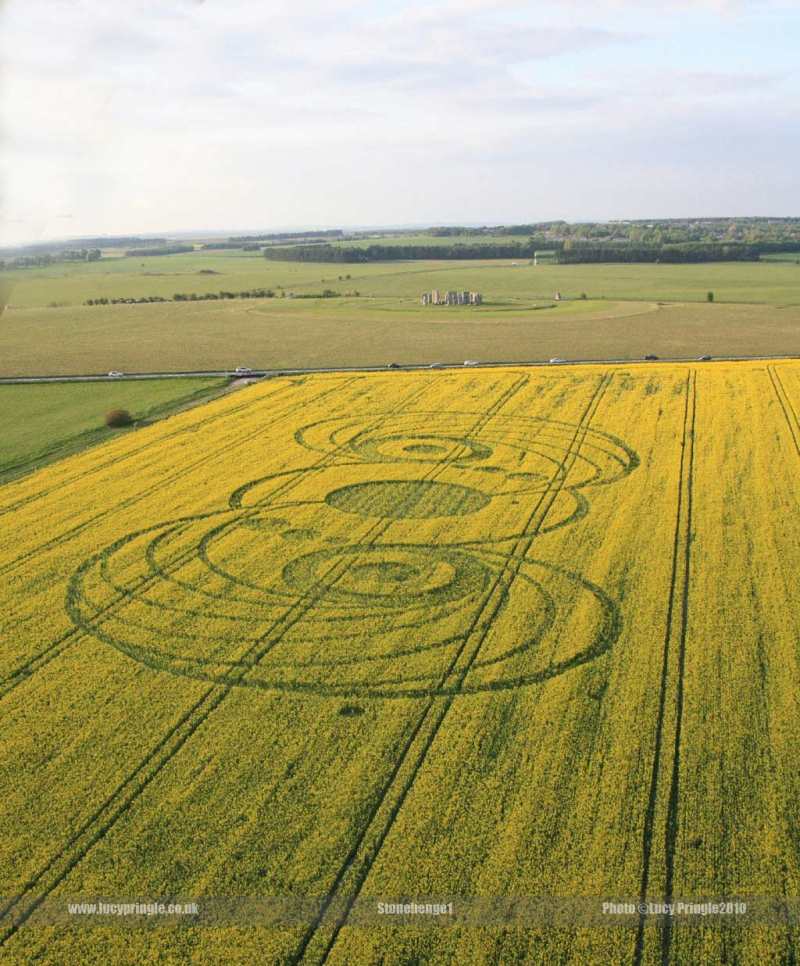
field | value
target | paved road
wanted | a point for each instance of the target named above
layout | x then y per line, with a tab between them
263	373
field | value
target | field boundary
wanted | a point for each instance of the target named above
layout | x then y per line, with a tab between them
97	435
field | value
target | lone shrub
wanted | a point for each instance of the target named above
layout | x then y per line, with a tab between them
710	296
118	417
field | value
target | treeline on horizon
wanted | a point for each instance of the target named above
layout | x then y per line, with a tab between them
564	252
44	259
393	253
159	250
674	240
100	241
576	253
287	235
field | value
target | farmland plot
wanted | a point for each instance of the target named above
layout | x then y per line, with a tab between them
466	637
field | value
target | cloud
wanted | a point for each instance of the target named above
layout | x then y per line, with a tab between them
240	112
717	6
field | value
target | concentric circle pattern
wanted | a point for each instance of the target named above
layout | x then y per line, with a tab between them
371	570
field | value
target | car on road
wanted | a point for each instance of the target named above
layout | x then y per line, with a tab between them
555	360
393	365
650	358
114	374
436	365
471	362
242	370
704	359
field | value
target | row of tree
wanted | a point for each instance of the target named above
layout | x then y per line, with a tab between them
51	258
565	252
450	230
580	252
279	236
253	293
231	246
159	250
393	253
101	241
670	231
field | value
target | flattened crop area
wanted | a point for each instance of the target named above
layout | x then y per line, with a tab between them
523	641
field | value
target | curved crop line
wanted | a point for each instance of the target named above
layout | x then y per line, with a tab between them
518	554
55	648
164	481
179	664
74	586
126	793
52	650
551	425
406	602
133	650
96	826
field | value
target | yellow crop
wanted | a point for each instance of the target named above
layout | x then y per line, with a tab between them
455	637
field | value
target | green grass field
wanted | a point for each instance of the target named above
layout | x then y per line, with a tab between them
793	257
776	281
630	310
282	333
42	422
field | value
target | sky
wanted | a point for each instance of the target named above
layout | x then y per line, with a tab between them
231	115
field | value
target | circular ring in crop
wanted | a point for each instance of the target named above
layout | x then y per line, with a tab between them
304	584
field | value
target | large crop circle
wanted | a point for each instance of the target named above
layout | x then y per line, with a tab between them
337	578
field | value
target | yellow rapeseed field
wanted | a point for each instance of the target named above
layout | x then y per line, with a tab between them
521	644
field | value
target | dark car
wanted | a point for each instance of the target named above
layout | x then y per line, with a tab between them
393	365
651	358
704	359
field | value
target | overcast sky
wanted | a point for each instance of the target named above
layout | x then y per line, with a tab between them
230	114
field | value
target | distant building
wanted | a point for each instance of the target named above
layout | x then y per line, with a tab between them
451	298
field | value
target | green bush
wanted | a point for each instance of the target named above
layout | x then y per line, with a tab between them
118	417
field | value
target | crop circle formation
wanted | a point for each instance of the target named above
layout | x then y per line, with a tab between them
301	585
